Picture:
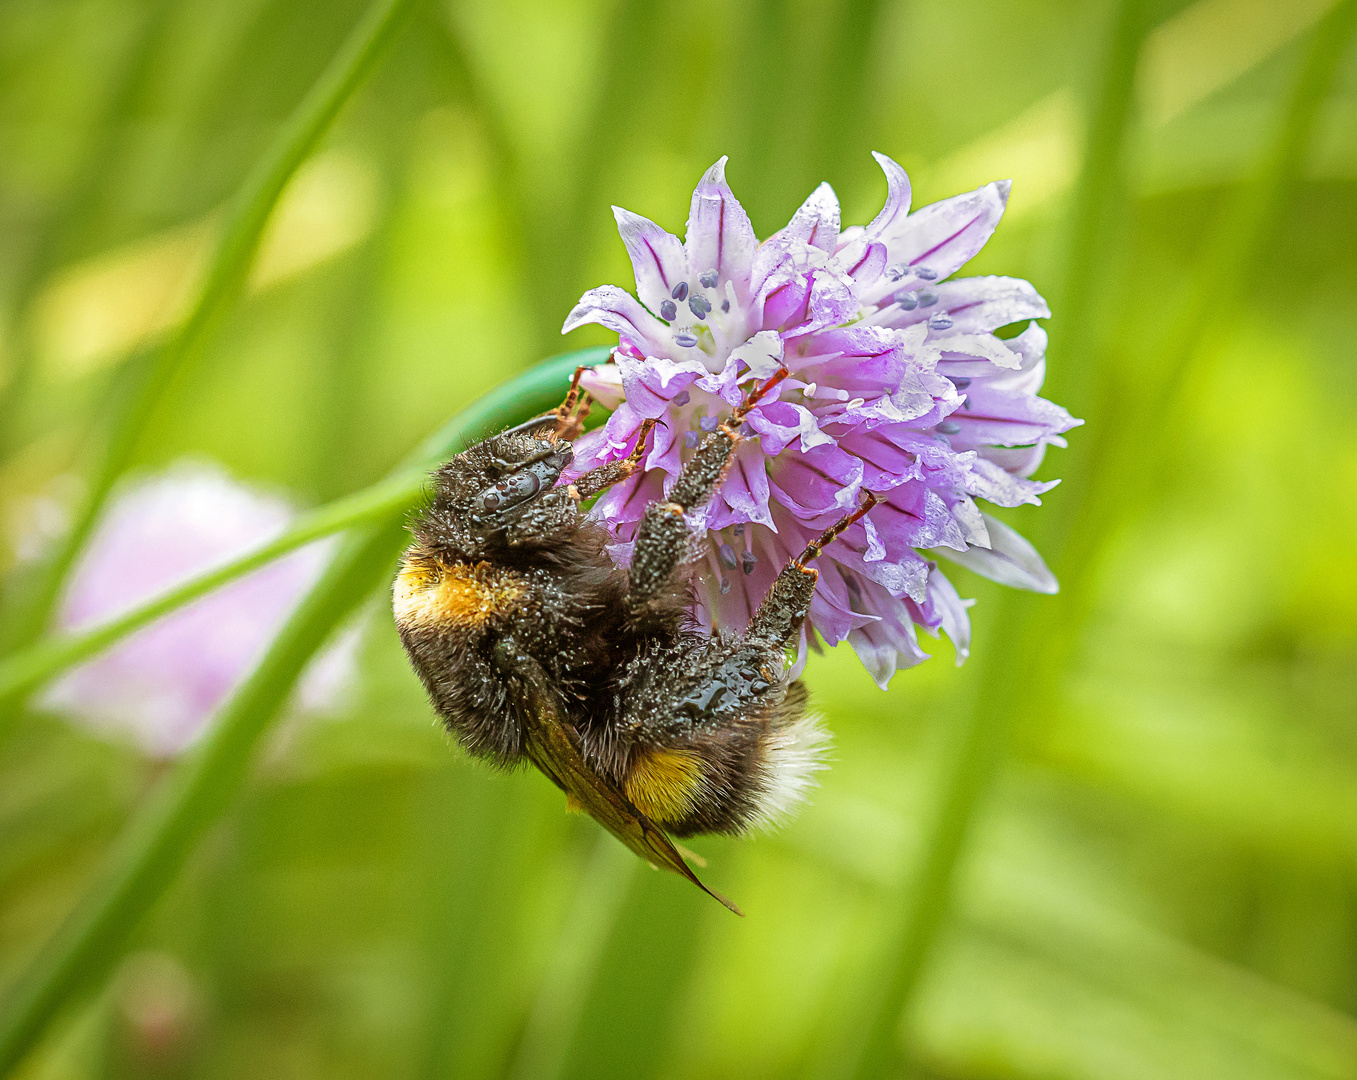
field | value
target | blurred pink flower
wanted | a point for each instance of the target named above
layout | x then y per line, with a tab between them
161	686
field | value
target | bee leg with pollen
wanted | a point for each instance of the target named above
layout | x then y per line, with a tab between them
663	538
784	609
613	472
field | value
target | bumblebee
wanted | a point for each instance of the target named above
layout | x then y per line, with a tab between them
534	646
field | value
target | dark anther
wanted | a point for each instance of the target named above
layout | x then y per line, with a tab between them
680	291
948	427
668	310
683	397
699	306
748	560
727	554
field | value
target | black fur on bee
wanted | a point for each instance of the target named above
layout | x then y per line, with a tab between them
534	646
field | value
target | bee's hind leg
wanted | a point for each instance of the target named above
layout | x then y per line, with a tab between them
784	609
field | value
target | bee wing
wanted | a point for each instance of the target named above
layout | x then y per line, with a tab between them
552	748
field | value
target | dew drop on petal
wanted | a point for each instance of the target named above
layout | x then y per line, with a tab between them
948	427
940	321
668	310
685	340
727	554
680	291
907	299
708	278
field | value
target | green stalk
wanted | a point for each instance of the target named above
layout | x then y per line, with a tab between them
977	746
227	272
165	830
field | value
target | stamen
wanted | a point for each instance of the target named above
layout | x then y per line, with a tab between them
857	403
690	440
949	427
927	298
809	389
738	528
685	340
680	292
897	270
966	403
668	310
708	278
725	585
682	398
959	381
725	306
708	424
907	299
727	554
940	321
748	560
699	305
925	273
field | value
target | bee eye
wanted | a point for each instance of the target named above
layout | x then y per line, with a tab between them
510	491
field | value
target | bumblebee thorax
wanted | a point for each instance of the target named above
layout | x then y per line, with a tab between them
431	594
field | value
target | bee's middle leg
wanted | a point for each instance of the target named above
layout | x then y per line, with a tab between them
663	538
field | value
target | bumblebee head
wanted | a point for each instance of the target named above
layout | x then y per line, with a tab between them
502	493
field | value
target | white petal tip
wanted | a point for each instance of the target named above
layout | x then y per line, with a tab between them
717	173
1003	187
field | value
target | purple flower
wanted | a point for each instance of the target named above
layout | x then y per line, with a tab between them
161	686
898	386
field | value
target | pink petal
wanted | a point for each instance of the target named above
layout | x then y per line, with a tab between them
657	257
719	234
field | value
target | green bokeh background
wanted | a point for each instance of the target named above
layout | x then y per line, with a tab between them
1159	878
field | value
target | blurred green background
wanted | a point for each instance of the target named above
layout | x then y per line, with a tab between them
1149	782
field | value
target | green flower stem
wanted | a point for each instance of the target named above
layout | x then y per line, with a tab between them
227	272
164	831
977	746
